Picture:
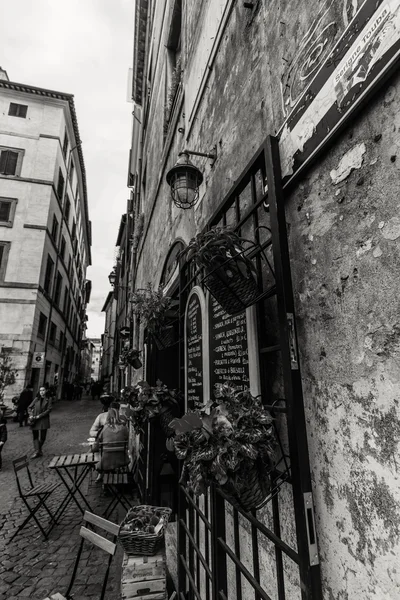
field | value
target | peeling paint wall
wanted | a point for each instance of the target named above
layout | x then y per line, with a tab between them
344	243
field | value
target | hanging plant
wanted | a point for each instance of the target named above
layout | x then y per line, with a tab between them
230	275
147	402
153	309
131	357
233	446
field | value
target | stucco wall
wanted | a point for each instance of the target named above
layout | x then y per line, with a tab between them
344	243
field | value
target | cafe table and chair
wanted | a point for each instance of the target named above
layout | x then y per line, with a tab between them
34	496
88	534
118	479
73	469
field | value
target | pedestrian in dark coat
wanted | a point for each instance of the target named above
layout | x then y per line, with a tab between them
39	420
3	437
24	400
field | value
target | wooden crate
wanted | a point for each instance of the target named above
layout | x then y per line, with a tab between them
144	577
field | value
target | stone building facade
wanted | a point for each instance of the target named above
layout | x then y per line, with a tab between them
108	361
45	234
221	77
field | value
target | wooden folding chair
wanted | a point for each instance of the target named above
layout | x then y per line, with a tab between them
97	540
39	493
115	480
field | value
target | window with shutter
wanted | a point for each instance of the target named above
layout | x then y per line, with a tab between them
42	325
60	184
17	110
65	144
62	249
67	208
54	228
4	250
57	290
8	162
5	209
52	333
48	274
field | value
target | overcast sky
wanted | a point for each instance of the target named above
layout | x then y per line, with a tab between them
85	48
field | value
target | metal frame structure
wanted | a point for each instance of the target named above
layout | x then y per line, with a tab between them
211	561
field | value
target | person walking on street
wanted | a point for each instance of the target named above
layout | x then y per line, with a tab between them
24	400
39	420
3	437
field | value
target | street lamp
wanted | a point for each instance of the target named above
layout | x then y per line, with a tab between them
185	178
112	278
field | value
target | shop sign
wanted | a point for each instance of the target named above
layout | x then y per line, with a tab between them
194	337
229	361
364	56
38	360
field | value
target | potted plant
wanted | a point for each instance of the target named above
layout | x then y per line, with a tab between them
233	447
152	307
230	274
147	402
131	356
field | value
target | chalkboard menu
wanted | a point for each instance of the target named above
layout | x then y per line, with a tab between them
228	347
194	351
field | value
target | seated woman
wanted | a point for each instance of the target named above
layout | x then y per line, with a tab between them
114	432
108	401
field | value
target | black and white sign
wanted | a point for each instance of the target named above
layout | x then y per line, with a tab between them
38	360
229	359
365	54
194	351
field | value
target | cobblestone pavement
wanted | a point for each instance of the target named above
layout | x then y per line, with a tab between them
31	567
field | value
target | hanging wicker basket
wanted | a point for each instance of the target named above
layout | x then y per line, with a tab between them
165	337
233	281
254	494
136	363
166	416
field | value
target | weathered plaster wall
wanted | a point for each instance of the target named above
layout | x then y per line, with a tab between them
345	243
344	234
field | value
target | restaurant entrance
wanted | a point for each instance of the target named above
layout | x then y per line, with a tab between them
224	551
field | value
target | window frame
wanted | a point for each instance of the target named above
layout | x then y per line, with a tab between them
58	289
63	245
18	107
54	228
53	329
65	144
67	211
48	276
60	178
13	202
45	319
4	259
18	167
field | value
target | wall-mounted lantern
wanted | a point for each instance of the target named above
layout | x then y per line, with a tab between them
185	179
112	278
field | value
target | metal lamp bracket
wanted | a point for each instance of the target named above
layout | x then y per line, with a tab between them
211	155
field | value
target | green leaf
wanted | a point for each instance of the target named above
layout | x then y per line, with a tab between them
187	423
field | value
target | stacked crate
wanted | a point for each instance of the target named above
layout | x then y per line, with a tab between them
144	577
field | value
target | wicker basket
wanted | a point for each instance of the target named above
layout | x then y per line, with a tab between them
254	495
165	419
164	338
141	542
232	283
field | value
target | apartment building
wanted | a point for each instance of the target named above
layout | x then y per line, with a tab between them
45	234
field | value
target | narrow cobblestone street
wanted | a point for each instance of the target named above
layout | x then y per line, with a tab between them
31	567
